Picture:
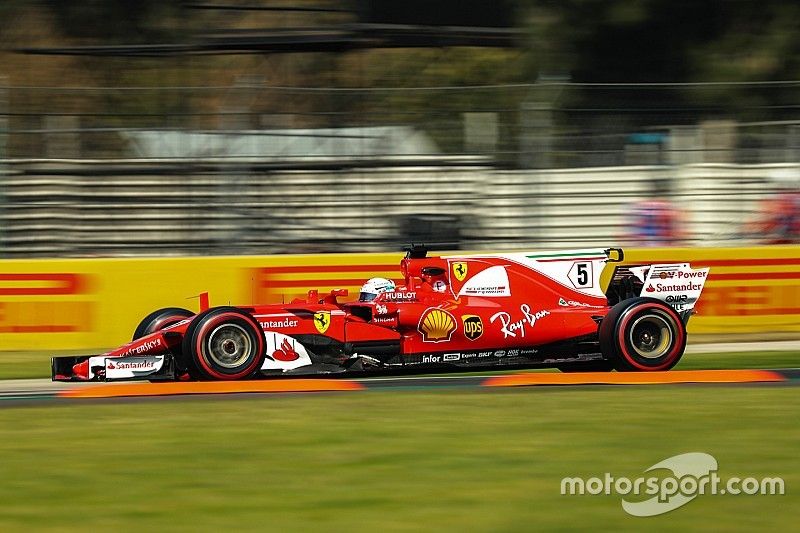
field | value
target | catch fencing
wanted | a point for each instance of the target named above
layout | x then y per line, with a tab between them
253	169
540	125
165	208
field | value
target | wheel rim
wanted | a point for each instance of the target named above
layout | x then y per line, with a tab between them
651	336
229	346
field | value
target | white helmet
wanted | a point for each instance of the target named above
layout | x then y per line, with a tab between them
373	287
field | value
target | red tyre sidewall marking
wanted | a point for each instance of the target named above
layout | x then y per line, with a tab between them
200	340
623	343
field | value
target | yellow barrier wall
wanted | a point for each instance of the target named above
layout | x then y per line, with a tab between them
749	290
88	304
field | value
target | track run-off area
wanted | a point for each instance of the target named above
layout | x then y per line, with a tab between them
15	390
40	389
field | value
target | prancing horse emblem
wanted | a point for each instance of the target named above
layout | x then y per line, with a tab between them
322	320
460	271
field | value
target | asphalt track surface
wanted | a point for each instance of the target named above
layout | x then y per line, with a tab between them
15	391
24	390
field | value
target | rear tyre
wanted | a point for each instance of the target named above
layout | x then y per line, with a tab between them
160	319
224	343
642	334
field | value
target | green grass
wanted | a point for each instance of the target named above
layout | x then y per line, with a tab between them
453	460
17	365
713	361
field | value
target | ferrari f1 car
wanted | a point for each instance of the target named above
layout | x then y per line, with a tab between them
447	312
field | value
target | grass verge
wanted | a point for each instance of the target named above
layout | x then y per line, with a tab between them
450	460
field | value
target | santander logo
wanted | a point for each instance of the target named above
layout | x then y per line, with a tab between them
674	288
285	352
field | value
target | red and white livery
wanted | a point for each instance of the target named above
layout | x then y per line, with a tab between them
445	312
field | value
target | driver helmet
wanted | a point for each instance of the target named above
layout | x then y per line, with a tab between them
373	287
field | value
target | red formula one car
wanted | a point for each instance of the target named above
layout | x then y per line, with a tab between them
449	312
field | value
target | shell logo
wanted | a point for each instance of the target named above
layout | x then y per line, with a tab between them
436	325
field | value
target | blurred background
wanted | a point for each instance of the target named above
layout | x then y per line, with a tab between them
219	127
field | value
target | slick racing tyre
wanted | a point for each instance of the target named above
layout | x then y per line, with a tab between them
642	334
224	343
159	320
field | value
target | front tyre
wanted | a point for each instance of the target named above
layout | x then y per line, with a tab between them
160	319
642	334
224	343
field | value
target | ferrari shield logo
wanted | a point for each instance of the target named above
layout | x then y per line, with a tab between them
460	271
322	320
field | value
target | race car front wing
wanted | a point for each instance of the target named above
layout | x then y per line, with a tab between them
105	368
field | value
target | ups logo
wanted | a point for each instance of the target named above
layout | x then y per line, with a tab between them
473	326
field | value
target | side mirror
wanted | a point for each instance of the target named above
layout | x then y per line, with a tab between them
432	271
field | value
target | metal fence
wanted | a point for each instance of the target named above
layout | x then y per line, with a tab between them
259	169
212	207
544	125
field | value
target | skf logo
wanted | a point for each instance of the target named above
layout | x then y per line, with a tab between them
460	271
473	326
436	325
322	320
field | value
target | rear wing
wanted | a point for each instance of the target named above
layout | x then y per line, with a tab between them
678	285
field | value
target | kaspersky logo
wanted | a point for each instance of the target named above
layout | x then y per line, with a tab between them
436	325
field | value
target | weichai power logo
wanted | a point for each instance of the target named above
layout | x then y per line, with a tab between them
473	326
